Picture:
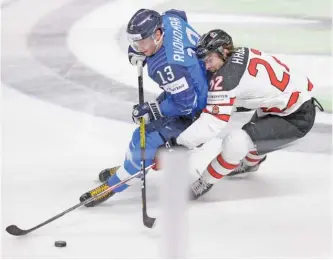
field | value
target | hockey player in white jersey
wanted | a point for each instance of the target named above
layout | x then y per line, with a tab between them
249	78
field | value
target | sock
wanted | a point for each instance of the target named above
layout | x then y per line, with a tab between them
252	158
217	169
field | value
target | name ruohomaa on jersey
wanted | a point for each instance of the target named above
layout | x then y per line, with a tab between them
177	39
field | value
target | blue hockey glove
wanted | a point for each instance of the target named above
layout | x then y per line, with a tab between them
149	111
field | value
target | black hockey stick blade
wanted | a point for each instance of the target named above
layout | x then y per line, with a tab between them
148	221
16	231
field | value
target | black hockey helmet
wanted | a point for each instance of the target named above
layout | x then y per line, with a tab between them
213	41
143	24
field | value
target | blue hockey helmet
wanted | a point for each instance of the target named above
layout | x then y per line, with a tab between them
143	24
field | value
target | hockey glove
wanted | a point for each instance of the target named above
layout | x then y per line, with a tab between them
134	56
173	142
149	111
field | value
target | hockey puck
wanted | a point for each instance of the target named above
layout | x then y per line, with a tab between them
60	243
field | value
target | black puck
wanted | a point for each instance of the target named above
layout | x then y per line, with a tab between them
60	243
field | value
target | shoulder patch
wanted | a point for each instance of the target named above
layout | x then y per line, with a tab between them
233	70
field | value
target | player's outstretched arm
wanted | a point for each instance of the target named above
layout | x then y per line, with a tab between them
211	122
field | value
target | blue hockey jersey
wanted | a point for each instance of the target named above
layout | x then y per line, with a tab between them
175	68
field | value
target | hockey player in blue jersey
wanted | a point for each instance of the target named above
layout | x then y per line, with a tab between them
166	46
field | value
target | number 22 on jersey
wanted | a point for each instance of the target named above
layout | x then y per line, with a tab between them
253	71
215	84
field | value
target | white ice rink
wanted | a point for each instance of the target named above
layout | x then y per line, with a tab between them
51	155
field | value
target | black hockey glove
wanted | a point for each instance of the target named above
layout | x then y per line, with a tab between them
173	143
149	111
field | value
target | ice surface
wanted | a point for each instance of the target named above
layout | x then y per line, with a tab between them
51	155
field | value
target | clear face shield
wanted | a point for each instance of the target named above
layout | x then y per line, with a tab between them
143	45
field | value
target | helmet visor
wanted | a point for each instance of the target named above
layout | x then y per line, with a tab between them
140	45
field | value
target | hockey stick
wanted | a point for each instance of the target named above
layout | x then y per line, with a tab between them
147	221
16	231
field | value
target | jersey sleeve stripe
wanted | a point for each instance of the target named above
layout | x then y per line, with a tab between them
224	117
292	101
310	85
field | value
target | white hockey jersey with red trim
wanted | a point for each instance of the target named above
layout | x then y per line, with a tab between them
271	86
249	79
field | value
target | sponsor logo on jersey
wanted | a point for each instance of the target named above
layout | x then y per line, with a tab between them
218	97
176	86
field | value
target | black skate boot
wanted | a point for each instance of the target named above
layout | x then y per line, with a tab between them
199	188
98	199
107	173
244	168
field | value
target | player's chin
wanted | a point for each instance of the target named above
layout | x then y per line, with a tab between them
147	53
